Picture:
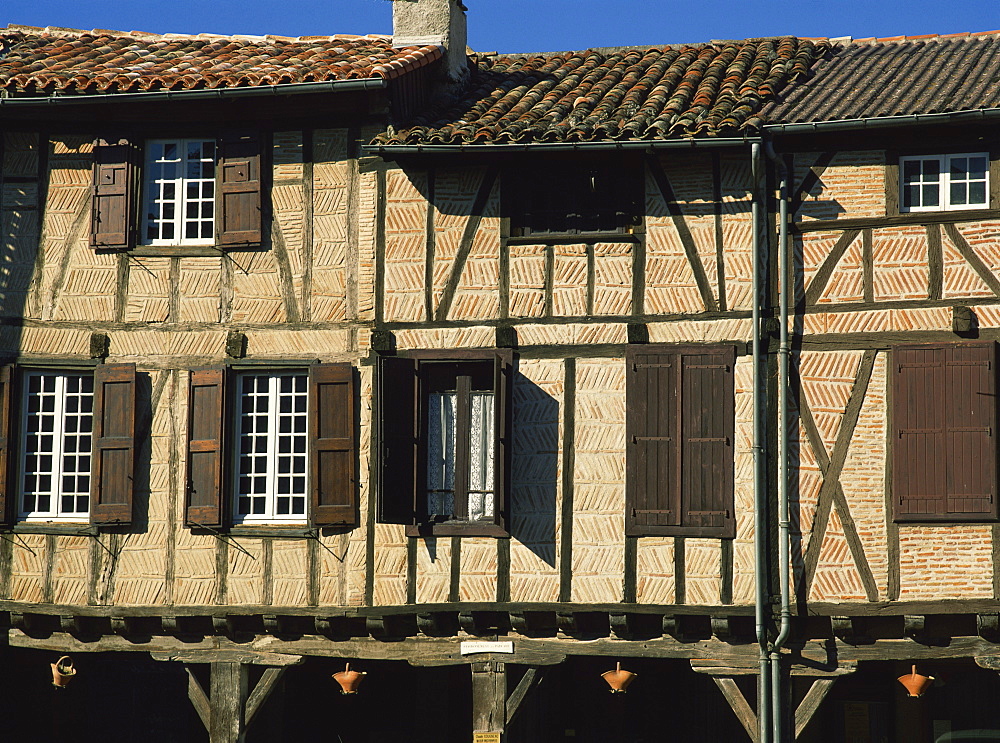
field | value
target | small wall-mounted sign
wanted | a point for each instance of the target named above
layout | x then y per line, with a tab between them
486	738
487	646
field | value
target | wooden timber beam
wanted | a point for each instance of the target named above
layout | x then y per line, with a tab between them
263	690
725	678
728	667
532	677
528	651
489	697
228	710
227	655
199	699
228	703
739	704
811	702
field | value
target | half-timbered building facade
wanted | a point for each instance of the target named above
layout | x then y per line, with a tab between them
485	374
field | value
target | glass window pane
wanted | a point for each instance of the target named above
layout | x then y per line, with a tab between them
930	196
977	193
958	194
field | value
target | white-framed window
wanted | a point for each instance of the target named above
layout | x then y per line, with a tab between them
931	183
272	452
179	180
56	443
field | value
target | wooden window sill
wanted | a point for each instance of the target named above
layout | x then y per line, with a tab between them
456	529
73	529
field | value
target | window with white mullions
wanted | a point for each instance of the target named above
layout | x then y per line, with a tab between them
180	192
461	444
56	445
944	182
272	451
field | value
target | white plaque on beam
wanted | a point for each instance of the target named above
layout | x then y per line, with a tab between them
486	646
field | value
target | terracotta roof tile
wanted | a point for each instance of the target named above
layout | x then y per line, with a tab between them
40	61
628	94
870	78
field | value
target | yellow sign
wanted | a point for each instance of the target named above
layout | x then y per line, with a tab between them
486	738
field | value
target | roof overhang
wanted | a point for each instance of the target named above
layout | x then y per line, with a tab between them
506	148
969	116
329	86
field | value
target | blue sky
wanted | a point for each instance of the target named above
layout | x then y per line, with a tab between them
528	25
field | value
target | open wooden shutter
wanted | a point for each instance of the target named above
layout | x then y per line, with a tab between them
113	212
206	454
706	447
919	412
113	465
7	486
238	200
503	375
970	431
333	445
652	469
397	426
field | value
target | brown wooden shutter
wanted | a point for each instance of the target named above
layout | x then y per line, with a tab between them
970	431
503	375
651	488
706	447
397	426
333	445
113	208
919	412
206	497
113	466
8	487
238	201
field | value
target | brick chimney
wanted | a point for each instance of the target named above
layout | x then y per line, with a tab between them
441	22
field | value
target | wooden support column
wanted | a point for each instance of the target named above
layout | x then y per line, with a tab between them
489	697
227	703
230	706
724	674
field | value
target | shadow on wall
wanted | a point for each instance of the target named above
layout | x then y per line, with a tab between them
534	469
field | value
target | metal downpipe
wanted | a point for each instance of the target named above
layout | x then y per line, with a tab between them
761	602
778	716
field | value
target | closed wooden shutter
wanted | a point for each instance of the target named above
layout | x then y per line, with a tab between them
503	383
944	424
7	473
919	402
113	212
205	466
397	426
238	219
970	430
707	423
333	440
113	465
652	467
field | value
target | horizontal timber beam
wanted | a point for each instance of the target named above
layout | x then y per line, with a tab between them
428	651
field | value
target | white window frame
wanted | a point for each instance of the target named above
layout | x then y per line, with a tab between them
944	183
271	473
56	472
153	186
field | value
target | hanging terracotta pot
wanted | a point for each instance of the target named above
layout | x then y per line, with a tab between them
618	679
916	684
62	671
349	680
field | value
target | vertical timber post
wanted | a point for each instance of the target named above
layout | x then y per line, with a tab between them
489	697
228	701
